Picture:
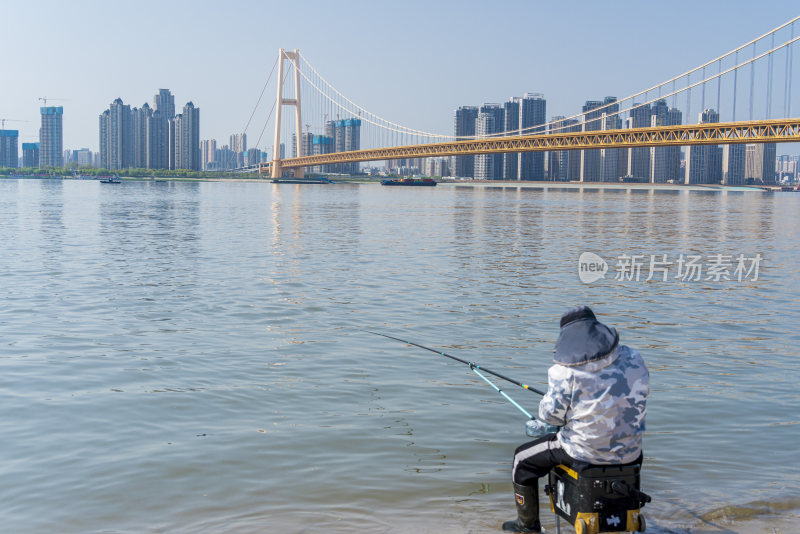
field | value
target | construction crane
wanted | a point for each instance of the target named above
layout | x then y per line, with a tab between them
4	121
45	99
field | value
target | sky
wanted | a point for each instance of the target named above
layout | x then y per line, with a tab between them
412	62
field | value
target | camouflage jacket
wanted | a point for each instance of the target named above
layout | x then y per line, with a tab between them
600	406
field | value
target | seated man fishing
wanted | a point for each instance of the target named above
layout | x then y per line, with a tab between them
597	393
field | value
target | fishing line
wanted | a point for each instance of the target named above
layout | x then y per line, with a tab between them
476	369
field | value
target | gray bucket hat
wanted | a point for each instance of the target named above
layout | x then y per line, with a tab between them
583	338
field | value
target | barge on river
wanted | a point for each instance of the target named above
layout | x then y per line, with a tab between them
410	181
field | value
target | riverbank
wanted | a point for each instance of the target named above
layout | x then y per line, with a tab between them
594	186
585	186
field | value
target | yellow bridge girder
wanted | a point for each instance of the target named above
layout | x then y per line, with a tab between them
764	131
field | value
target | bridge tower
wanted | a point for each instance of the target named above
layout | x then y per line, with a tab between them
294	57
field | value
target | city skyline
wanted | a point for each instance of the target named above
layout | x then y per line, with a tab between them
225	80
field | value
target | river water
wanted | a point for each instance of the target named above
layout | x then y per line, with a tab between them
187	357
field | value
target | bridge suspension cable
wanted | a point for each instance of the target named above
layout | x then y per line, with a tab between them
271	72
344	104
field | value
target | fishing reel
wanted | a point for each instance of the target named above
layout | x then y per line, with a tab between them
536	429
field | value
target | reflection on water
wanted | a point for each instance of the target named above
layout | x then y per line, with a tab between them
187	356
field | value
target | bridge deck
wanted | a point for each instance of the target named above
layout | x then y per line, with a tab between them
765	131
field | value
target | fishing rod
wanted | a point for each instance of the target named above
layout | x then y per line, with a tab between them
476	369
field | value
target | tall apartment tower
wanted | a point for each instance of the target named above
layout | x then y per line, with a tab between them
51	137
532	113
511	116
553	157
733	164
320	144
306	140
30	155
352	141
590	159
340	136
611	166
116	136
568	161
185	141
208	152
490	122
639	158
140	120
464	127
158	129
760	162
164	102
704	162
9	148
665	162
239	142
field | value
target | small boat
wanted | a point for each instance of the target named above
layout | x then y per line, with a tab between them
110	179
410	181
302	181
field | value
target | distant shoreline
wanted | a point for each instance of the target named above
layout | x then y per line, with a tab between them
603	185
457	183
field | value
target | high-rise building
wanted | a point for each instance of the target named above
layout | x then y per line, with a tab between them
488	124
83	157
511	116
305	145
553	171
639	157
704	162
208	152
344	135
760	162
140	120
9	148
116	136
224	159
437	166
532	113
665	162
51	137
590	159
568	162
321	144
611	165
30	155
159	154
185	141
787	168
239	142
733	164
252	157
463	128
164	102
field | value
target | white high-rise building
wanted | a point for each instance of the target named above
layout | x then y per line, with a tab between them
208	152
760	162
490	121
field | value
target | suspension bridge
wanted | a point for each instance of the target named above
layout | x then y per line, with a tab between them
754	81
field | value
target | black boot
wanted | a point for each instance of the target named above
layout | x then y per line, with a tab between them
527	498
